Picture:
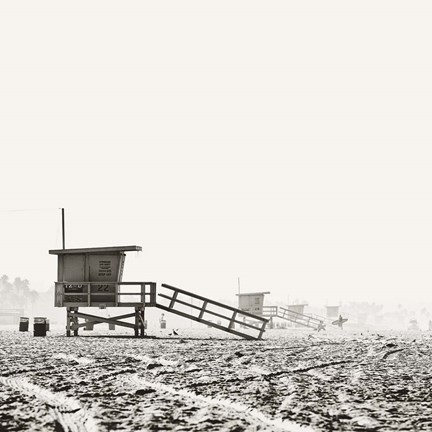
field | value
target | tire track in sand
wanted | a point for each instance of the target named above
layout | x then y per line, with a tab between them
256	415
65	411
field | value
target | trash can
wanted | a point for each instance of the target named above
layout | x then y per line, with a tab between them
39	326
163	324
111	326
24	324
89	325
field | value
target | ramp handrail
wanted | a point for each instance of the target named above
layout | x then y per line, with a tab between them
299	318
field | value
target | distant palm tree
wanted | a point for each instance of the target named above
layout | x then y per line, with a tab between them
17	294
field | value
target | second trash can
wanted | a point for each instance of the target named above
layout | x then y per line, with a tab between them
39	326
24	324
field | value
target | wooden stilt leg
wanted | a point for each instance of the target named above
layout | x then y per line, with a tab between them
136	328
142	322
76	322
68	319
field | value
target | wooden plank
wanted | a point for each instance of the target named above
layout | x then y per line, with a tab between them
131	304
262	331
105	283
128	293
103	319
233	320
74	304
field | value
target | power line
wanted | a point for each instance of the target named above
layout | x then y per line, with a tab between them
28	210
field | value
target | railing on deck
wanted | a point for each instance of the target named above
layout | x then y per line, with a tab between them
108	294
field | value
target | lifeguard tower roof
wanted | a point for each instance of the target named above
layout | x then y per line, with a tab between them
95	250
253	294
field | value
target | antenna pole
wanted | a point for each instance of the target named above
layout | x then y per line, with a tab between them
63	228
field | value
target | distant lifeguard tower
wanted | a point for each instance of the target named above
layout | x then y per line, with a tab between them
252	302
332	311
297	308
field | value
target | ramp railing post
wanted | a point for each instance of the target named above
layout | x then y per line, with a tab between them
262	330
232	321
153	294
203	307
173	299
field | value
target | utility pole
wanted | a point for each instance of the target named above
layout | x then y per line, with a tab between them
63	228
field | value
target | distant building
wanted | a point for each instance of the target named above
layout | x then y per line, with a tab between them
10	316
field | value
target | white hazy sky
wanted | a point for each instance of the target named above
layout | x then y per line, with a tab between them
287	143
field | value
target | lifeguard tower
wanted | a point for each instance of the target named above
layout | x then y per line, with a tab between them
252	302
332	311
92	277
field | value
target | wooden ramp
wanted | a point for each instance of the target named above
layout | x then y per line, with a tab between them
211	313
329	321
335	322
294	317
